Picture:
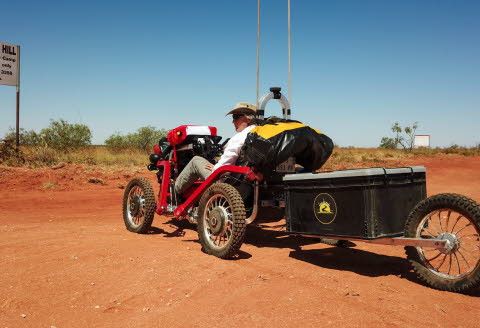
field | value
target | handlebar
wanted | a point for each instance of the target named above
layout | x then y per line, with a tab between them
275	93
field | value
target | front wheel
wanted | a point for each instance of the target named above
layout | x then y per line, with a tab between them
138	205
451	217
221	222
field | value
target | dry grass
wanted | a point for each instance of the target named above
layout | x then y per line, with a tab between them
360	157
351	157
42	156
49	185
341	158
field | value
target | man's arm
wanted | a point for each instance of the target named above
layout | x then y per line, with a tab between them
230	153
232	149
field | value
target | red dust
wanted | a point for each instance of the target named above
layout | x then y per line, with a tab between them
67	260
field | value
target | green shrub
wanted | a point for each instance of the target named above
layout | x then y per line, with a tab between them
62	135
9	154
388	143
27	138
116	141
43	156
144	139
404	137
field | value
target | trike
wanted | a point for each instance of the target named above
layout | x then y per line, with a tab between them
441	233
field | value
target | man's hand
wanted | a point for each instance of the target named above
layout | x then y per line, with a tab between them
209	166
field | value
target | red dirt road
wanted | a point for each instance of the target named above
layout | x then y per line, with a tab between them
66	260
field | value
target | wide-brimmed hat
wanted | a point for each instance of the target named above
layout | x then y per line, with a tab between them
243	108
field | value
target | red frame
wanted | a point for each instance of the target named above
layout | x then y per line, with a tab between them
197	189
182	209
163	193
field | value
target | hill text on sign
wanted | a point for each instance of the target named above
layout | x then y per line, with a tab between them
8	64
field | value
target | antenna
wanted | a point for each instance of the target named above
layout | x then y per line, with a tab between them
289	32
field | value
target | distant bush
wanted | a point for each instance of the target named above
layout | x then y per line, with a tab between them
462	150
9	154
27	138
388	143
144	138
63	135
404	137
59	135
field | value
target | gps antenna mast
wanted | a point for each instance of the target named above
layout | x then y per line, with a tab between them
289	83
289	86
258	49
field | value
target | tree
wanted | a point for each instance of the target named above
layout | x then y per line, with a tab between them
404	137
63	135
410	136
144	138
59	134
388	143
27	138
116	141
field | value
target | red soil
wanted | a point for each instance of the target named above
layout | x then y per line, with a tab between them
66	260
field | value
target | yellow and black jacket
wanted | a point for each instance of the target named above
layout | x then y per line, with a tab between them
274	140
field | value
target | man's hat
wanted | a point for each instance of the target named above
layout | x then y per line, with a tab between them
243	108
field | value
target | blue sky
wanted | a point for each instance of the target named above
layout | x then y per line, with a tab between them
358	66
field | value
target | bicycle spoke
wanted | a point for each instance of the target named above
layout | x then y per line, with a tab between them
440	220
468	264
448	219
436	256
470	235
470	251
428	231
433	229
443	261
458	263
458	219
468	225
450	264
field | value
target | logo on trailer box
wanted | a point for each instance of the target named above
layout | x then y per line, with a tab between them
325	208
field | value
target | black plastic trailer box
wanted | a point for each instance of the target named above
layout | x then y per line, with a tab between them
362	203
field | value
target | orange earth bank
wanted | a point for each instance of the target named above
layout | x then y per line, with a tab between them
67	260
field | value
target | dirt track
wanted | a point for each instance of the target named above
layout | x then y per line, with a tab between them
66	260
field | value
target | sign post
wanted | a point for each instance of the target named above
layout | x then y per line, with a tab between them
10	75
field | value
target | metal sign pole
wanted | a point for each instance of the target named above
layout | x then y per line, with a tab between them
17	136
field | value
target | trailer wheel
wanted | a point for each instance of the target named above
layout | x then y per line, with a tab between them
138	205
221	220
455	218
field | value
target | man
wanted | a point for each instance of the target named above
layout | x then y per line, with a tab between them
199	168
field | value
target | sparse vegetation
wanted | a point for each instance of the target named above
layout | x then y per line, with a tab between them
131	149
351	157
71	143
9	154
341	158
93	155
404	137
49	185
144	139
27	138
59	135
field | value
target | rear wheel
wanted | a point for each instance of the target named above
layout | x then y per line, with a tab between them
221	222
451	217
138	205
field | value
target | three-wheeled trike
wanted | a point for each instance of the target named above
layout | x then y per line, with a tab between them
441	233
